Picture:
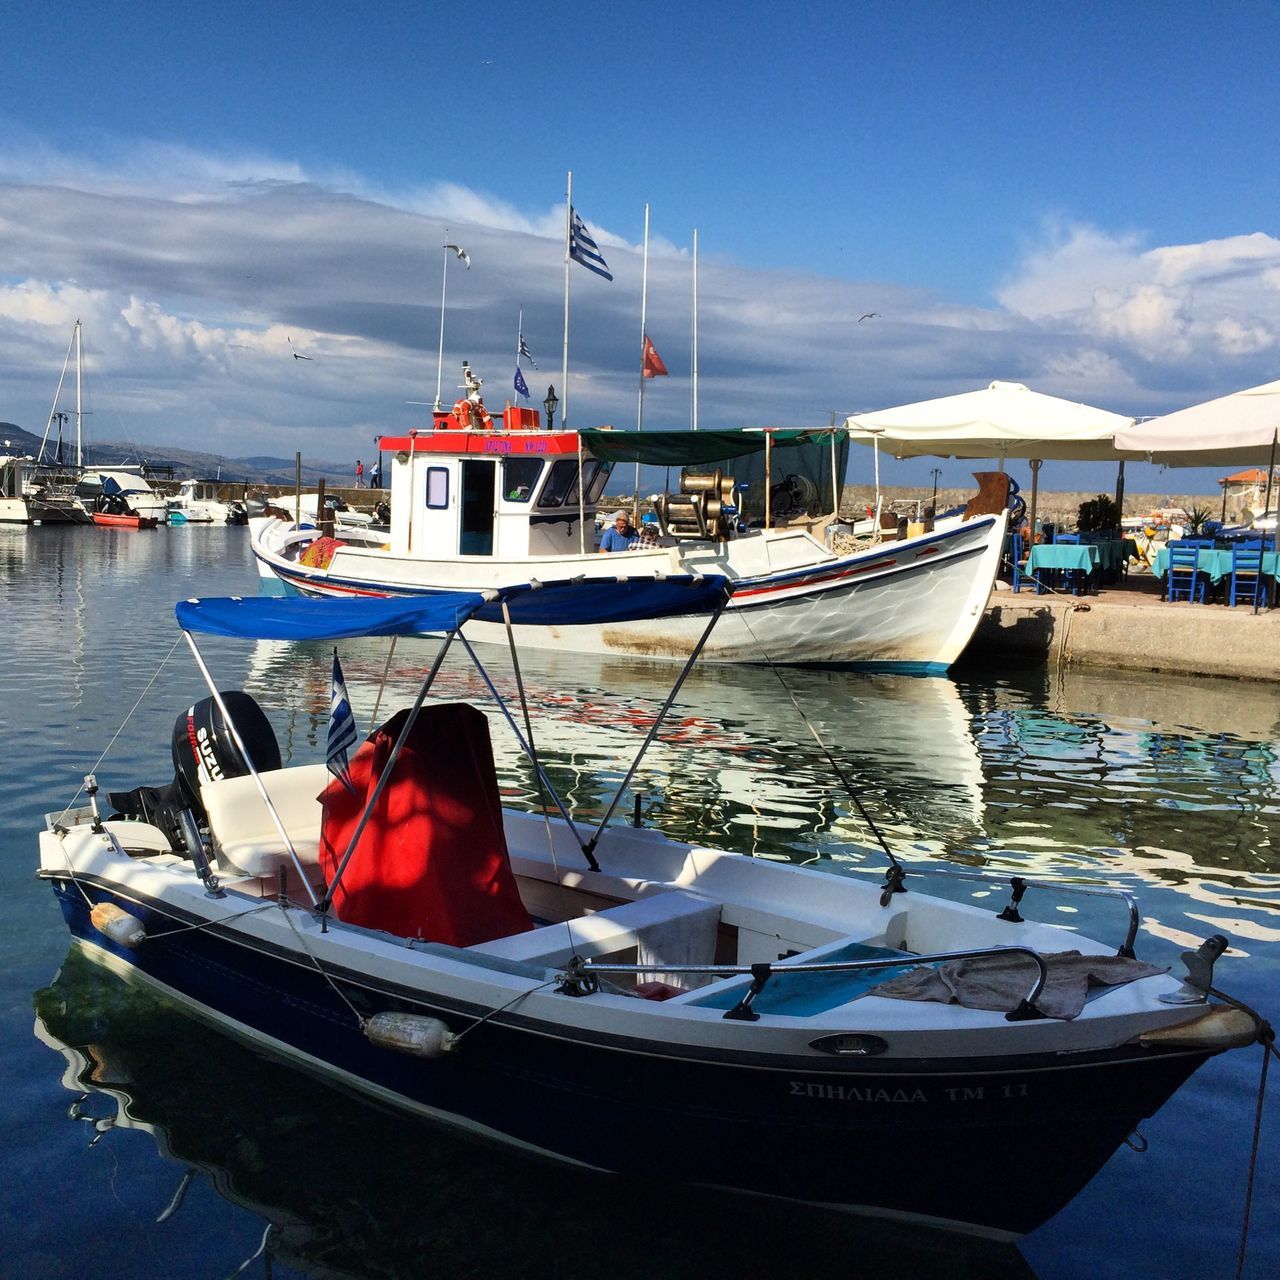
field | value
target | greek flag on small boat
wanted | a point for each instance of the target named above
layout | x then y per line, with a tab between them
342	728
583	249
524	354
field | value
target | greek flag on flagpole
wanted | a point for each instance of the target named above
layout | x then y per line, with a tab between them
583	249
342	728
521	386
524	353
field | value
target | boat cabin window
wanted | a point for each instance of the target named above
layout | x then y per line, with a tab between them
437	488
561	488
520	478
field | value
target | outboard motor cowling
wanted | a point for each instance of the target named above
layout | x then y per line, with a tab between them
204	749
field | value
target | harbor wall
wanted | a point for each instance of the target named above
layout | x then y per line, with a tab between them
1147	635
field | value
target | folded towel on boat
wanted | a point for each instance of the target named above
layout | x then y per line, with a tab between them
1000	983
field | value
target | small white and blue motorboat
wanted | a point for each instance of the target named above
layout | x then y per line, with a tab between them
611	997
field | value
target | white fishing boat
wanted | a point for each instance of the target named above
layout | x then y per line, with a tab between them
613	998
475	509
198	502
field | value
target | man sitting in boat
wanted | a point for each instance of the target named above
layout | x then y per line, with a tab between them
620	536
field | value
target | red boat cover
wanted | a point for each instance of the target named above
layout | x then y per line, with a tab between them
432	860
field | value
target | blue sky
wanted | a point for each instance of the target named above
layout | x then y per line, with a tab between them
1080	197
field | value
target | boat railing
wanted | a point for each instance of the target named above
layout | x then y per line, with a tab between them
582	977
1020	884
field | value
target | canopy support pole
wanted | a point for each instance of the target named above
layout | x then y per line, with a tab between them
327	901
1266	506
245	756
1035	492
768	479
523	744
589	847
1120	491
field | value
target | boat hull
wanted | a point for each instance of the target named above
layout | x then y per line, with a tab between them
910	605
993	1146
111	520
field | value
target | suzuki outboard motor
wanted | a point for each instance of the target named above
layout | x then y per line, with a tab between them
205	751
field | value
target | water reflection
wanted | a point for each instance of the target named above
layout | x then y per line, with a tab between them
352	1190
737	764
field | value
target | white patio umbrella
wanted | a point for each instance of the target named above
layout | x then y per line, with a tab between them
1004	420
1241	427
1237	428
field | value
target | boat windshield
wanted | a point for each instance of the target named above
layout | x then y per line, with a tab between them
561	487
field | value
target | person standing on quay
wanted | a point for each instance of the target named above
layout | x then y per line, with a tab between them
359	474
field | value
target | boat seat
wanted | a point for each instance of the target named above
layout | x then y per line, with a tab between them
672	927
244	836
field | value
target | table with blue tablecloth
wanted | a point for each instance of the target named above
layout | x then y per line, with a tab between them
1213	562
1082	557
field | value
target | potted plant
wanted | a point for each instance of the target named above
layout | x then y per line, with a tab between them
1098	515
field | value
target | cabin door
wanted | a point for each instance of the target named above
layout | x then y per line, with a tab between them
475	530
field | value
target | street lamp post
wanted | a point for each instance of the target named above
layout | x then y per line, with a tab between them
549	406
935	473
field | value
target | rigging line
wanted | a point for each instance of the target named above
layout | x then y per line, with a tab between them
284	906
822	746
205	924
106	750
493	1013
562	892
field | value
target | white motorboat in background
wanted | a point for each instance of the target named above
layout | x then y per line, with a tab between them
121	489
197	502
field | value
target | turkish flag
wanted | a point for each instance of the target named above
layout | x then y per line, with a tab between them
653	366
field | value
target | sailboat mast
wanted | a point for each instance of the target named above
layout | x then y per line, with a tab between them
57	395
79	399
695	328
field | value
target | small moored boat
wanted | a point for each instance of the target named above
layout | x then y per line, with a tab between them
611	997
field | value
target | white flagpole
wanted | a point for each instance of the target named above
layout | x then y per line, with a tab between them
444	281
644	308
519	333
564	366
695	328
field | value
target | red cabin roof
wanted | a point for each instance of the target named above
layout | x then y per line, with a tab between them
481	442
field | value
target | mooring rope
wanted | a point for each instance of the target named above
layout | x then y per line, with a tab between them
1267	1039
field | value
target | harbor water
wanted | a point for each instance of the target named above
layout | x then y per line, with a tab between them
142	1142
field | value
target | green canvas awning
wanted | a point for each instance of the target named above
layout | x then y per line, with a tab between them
696	448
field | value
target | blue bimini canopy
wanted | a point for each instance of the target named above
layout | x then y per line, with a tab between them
586	601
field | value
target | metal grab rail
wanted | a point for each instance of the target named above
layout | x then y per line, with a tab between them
1020	884
579	977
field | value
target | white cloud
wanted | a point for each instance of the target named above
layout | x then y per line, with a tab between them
193	271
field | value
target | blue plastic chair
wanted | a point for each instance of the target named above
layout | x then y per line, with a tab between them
1016	572
1067	539
1184	580
1247	583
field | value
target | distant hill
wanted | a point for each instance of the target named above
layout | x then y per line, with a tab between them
188	462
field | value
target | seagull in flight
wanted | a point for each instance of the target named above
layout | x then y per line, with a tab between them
871	315
462	253
297	355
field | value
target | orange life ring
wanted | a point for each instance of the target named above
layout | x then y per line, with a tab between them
469	414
